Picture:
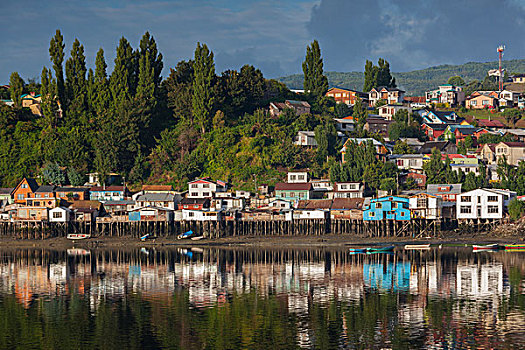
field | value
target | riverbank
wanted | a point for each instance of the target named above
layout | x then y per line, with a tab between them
329	240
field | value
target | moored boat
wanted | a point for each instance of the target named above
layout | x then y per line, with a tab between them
197	238
479	247
185	235
357	250
77	236
514	246
417	246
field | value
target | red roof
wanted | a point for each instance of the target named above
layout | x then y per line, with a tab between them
490	123
515	144
157	188
293	187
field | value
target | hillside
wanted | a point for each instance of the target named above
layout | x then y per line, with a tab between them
418	81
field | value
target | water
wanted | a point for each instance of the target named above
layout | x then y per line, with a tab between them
446	298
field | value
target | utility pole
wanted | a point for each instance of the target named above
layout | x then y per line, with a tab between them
501	48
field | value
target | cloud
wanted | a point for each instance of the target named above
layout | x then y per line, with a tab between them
414	34
271	34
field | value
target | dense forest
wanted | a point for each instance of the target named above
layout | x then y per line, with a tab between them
151	129
415	83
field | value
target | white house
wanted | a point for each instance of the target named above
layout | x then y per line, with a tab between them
205	188
201	215
297	176
307	138
232	203
482	204
298	214
322	185
388	111
408	161
347	190
425	206
280	204
59	214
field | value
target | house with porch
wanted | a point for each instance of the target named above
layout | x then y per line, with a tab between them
293	191
206	188
447	94
387	208
25	189
425	206
390	95
109	193
481	203
347	190
347	96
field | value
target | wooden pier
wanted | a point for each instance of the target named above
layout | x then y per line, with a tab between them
414	228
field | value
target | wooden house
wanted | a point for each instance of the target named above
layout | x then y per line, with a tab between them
194	203
425	206
347	208
60	214
151	213
293	191
25	189
72	193
109	193
389	208
347	96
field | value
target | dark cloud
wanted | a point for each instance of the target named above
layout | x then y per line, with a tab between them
413	34
270	34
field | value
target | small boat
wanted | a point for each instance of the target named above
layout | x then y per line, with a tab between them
357	250
514	246
186	234
77	236
197	238
479	247
417	246
145	237
388	248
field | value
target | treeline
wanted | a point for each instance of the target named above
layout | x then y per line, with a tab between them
131	121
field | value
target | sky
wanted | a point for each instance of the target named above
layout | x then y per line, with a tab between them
271	35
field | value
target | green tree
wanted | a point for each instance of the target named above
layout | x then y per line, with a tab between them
204	76
122	79
389	185
326	138
402	147
52	174
315	82
16	88
102	96
376	76
516	209
179	89
456	80
471	182
75	178
435	169
56	53
76	85
512	116
359	113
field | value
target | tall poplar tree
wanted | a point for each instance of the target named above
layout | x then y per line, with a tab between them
204	75
315	82
122	78
376	76
16	88
75	84
56	53
102	96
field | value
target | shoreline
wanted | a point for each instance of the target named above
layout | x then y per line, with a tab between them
304	241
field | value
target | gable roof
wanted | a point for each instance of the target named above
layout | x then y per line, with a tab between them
108	188
157	188
314	204
281	186
195	201
347	203
435	126
33	185
514	144
155	197
45	188
490	123
71	189
436	189
85	205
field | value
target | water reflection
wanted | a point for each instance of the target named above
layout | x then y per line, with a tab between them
260	298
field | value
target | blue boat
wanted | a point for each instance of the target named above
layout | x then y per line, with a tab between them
186	234
357	250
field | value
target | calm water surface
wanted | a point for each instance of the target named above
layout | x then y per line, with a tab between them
446	298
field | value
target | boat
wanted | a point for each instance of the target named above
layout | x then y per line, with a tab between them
77	236
186	234
357	250
145	237
479	247
388	248
197	238
514	246
417	246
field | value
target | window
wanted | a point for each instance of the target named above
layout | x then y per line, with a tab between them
473	103
194	185
344	187
38	195
22	213
412	162
46	195
493	198
421	202
194	194
191	214
292	177
465	209
371	214
466	199
24	186
379	205
205	194
20	197
338	95
493	209
300	177
292	194
485	103
206	186
57	215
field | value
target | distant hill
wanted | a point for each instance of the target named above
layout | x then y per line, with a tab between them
416	82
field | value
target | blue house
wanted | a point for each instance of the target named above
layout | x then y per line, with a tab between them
390	208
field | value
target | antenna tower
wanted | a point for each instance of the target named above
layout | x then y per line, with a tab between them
501	48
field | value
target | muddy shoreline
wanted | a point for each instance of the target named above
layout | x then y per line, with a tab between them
333	241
